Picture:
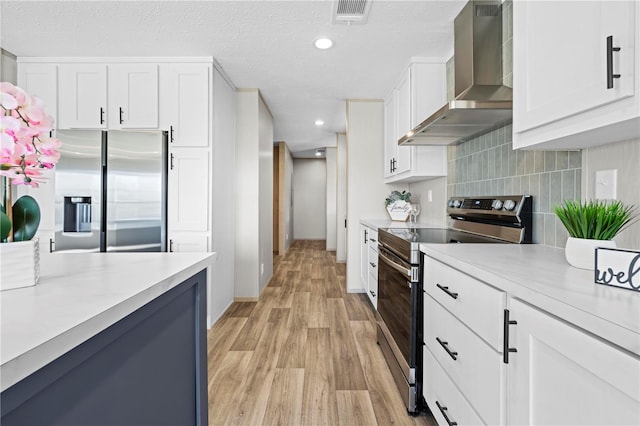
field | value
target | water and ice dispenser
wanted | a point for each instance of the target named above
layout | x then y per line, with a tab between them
77	214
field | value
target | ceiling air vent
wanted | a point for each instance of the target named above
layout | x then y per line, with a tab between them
351	11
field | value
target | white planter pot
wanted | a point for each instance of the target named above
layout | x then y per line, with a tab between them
19	264
580	252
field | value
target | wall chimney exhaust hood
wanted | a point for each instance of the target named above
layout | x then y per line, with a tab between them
482	103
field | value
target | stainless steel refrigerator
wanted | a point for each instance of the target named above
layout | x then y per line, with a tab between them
111	191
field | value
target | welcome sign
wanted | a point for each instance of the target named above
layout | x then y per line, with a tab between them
618	268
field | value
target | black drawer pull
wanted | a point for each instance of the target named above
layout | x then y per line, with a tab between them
443	410
373	240
446	290
373	293
445	345
610	73
506	350
373	265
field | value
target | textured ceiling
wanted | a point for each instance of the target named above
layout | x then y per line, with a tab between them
259	44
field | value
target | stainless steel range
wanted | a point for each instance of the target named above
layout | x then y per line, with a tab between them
496	219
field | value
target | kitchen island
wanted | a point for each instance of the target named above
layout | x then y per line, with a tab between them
107	338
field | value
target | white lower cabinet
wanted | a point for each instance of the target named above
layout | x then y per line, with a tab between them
364	256
447	404
188	243
372	284
474	366
562	375
555	373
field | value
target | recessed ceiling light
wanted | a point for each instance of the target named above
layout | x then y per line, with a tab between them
323	43
318	122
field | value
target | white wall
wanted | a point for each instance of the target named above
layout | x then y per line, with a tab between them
8	67
332	177
254	195
288	198
625	158
309	199
433	209
221	286
341	205
365	180
265	194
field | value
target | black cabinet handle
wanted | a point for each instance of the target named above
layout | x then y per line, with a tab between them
443	410
171	162
373	240
171	134
506	350
121	120
101	115
610	74
52	245
446	290
170	246
373	293
366	234
373	265
445	345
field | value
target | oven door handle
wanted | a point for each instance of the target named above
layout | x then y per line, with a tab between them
382	255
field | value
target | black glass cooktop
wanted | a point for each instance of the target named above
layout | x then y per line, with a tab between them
439	236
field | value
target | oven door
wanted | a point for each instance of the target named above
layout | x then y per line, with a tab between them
397	320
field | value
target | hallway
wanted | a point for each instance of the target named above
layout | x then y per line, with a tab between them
305	354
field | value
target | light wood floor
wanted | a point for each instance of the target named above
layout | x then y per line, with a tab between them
305	354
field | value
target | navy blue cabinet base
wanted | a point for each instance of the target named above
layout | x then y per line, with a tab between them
150	368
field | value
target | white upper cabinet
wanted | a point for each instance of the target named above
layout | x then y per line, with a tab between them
420	91
40	80
133	96
128	101
576	70
184	110
83	96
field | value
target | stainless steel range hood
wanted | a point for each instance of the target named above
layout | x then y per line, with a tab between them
482	103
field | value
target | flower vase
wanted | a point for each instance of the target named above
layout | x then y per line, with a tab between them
19	264
580	252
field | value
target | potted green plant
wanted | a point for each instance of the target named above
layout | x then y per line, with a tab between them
592	224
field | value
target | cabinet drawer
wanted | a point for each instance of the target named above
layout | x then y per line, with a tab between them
473	302
471	363
373	263
373	239
443	398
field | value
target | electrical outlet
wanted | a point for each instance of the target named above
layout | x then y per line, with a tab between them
262	269
606	184
430	196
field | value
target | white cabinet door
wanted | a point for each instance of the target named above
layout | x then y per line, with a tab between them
188	202
403	153
40	80
561	70
390	140
364	256
372	284
133	96
83	96
188	243
184	109
562	375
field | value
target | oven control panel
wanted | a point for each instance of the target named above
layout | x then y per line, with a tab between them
494	204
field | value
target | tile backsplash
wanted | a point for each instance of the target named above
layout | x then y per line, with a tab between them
488	165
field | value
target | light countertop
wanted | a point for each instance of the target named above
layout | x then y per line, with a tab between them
541	276
388	223
78	296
